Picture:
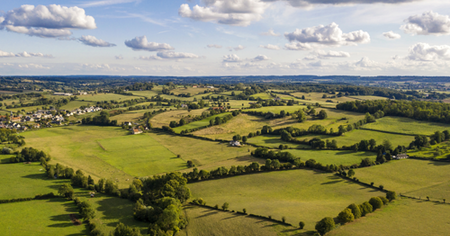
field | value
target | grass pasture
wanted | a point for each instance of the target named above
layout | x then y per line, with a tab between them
199	124
273	141
206	222
415	178
299	195
30	177
328	157
77	104
406	125
100	97
438	151
40	218
403	217
165	118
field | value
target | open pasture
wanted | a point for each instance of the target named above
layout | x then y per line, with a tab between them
298	195
200	123
415	178
336	157
438	151
273	141
406	126
165	118
77	104
147	93
263	96
206	222
30	177
100	97
403	217
131	116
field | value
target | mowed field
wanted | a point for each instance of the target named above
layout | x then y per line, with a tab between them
328	157
40	218
100	97
200	123
414	178
298	195
77	104
30	177
206	222
273	141
407	126
403	217
165	118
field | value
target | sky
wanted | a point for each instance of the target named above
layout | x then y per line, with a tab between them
225	37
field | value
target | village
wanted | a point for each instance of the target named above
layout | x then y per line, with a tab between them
41	118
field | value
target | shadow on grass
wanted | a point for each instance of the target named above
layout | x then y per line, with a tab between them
209	213
331	182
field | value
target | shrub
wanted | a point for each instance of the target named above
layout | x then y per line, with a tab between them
381	187
355	210
301	224
325	225
283	219
391	196
384	199
376	203
346	216
244	210
225	206
366	208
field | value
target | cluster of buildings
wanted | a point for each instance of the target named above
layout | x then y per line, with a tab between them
44	117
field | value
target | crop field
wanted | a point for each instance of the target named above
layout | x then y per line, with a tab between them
242	124
40	218
199	124
407	125
107	152
206	222
106	97
403	217
273	141
165	118
298	195
199	151
30	177
336	157
415	178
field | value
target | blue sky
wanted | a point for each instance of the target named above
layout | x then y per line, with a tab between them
225	37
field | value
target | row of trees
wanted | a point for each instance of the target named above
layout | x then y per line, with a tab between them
102	120
30	154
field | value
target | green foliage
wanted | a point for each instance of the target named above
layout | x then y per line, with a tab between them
391	195
301	224
225	206
356	211
123	230
325	225
376	203
66	190
366	208
346	216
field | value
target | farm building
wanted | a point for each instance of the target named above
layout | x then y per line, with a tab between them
400	156
235	144
136	131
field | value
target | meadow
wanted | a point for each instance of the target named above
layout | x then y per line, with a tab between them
437	151
273	141
100	97
298	195
199	124
403	217
407	126
328	157
165	118
415	178
77	104
30	177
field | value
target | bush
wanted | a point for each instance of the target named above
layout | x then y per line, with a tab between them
325	225
381	187
376	203
366	208
390	195
356	211
346	216
384	199
301	224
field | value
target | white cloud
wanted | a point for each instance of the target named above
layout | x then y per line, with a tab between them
238	48
214	46
311	3
270	33
260	58
24	54
120	57
106	3
391	35
429	23
329	35
270	46
426	52
323	55
176	55
231	12
94	42
47	21
141	43
231	58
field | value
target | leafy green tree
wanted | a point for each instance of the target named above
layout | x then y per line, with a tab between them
325	225
66	190
123	230
322	114
351	173
301	116
346	216
276	164
391	195
244	139
388	145
301	224
366	208
356	211
376	202
90	180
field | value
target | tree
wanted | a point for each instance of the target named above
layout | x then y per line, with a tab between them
372	144
376	202
182	122
351	173
173	124
325	225
355	210
388	145
244	139
369	118
301	116
123	230
346	216
225	206
390	195
322	115
237	137
366	208
66	190
301	224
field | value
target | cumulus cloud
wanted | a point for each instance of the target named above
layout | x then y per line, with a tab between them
238	48
429	23
46	21
391	35
231	58
329	35
426	52
270	46
270	33
94	42
24	54
141	43
310	3
331	54
230	12
260	58
214	46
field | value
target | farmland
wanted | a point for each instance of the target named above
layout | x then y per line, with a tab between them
406	126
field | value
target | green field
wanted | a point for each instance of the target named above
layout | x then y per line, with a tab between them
199	124
411	177
100	97
131	116
407	125
76	104
206	222
41	217
435	152
264	96
299	195
30	177
328	157
273	141
165	118
403	218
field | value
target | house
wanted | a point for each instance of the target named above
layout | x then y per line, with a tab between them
62	94
400	156
184	106
211	87
235	144
37	126
136	131
16	119
277	99
195	86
